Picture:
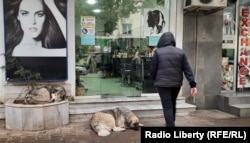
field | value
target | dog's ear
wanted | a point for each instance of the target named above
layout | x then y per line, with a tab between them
129	123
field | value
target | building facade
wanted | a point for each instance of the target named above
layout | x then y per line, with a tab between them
108	51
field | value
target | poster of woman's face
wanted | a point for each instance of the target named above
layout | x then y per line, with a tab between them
35	36
155	21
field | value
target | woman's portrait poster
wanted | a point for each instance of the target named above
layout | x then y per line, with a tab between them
36	39
155	21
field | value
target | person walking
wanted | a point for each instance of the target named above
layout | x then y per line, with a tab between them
167	67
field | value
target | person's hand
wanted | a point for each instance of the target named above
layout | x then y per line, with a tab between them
193	91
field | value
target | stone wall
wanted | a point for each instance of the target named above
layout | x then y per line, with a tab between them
202	43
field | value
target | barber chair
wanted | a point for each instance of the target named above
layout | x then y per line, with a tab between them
105	65
128	74
148	83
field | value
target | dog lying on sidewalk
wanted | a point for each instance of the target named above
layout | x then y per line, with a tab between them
118	119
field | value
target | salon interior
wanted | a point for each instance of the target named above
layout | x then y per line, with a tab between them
115	60
116	68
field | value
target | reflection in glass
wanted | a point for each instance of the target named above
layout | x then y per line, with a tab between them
229	20
227	69
117	63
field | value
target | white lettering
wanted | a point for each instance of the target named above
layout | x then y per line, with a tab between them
182	134
161	134
147	134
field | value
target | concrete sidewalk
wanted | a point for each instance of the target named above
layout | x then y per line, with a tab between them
82	133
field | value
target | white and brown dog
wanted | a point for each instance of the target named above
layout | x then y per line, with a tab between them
118	119
46	94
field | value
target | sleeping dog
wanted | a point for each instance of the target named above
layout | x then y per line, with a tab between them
46	94
118	119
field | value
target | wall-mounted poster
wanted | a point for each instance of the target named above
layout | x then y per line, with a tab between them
155	21
244	46
35	39
153	40
87	30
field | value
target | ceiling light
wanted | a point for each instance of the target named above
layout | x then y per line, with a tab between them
91	1
96	10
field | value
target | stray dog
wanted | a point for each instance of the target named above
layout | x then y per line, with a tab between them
57	93
46	94
118	119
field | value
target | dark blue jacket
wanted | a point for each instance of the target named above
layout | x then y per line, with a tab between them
169	63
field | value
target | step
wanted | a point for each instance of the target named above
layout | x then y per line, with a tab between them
82	108
82	103
144	107
241	99
100	98
235	103
151	111
241	110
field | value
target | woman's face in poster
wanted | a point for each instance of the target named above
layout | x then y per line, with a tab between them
31	16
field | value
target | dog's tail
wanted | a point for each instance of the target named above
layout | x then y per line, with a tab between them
118	129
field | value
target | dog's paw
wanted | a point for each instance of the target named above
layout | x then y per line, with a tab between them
70	98
118	129
103	133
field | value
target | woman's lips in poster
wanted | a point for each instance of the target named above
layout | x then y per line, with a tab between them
33	29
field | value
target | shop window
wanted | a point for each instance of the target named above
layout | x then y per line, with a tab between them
117	36
229	44
229	21
227	71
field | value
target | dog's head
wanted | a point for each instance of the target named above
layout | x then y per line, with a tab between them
134	123
131	120
58	93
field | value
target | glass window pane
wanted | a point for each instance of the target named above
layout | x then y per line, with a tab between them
111	44
227	71
229	20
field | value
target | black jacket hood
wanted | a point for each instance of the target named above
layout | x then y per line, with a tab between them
166	39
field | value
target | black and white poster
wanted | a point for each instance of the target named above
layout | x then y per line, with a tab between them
35	39
155	21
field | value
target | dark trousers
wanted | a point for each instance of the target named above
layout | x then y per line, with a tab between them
168	100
